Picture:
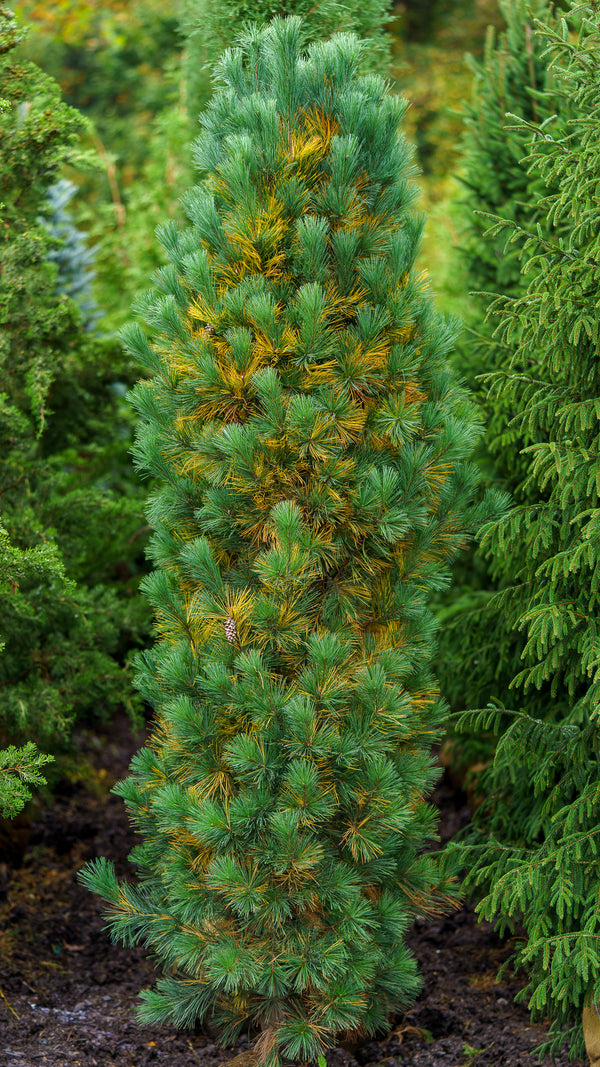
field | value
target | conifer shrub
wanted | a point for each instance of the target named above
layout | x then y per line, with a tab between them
533	854
309	444
20	768
71	253
67	619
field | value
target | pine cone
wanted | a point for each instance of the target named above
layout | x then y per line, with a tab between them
230	630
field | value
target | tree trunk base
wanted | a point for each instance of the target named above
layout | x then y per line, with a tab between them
591	1033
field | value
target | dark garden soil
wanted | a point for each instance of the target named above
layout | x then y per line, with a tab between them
67	996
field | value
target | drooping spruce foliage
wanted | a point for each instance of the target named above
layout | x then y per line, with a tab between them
310	446
65	620
534	849
478	643
512	79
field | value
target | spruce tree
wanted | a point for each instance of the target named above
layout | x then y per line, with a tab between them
73	257
310	447
513	79
533	853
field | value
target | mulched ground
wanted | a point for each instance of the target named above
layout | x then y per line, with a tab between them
68	996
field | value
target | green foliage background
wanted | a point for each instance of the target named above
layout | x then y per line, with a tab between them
70	548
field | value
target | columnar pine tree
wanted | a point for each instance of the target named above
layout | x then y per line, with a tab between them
207	27
534	849
309	444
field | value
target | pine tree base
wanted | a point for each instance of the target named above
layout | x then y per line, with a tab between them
245	1059
591	1033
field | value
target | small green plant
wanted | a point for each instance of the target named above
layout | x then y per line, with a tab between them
470	1054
